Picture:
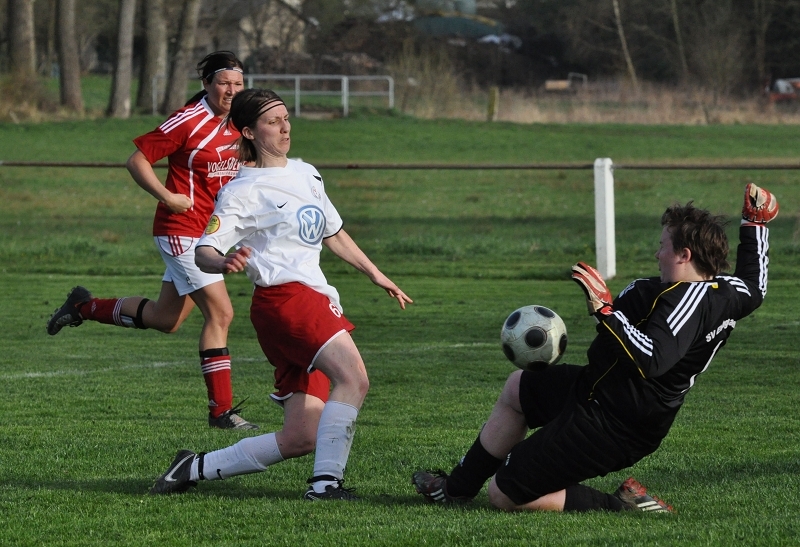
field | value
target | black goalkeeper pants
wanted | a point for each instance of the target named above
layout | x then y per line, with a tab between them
574	441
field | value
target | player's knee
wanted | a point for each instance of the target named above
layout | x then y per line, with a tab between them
225	316
498	499
362	385
221	318
297	446
510	391
354	380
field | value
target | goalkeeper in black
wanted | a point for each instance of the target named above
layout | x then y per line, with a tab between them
653	341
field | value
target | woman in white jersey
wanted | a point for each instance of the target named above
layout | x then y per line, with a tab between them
277	216
200	148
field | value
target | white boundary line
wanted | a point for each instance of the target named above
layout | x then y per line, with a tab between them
77	372
367	349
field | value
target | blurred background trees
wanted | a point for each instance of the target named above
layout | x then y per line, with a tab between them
727	47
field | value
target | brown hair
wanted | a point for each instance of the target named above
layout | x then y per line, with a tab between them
700	232
247	106
210	65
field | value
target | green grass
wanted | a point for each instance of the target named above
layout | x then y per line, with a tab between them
93	415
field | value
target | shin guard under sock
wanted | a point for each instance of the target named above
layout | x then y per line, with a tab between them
216	367
107	311
334	439
474	469
249	455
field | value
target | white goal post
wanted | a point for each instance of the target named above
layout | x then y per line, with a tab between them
605	244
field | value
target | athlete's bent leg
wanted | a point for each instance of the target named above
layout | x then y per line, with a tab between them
165	314
301	413
505	427
341	362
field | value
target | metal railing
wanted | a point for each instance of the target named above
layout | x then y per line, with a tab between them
344	90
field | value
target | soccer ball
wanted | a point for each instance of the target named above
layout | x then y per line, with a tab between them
533	337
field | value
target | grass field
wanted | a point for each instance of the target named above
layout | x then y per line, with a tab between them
93	415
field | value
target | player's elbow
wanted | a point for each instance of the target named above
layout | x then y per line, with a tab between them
135	162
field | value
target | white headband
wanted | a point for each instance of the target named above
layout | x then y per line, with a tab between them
236	68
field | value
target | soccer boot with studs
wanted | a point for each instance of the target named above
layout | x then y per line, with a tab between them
433	487
230	419
335	491
634	497
176	479
67	315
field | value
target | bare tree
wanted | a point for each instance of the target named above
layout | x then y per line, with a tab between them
624	44
119	105
68	57
717	48
274	23
153	76
182	62
21	39
762	15
676	23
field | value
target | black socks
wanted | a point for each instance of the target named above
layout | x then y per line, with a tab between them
474	469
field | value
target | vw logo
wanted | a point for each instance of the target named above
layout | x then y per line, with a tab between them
312	224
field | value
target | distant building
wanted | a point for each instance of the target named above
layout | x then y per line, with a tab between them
465	7
244	26
454	18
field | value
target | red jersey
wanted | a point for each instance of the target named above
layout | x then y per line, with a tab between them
202	159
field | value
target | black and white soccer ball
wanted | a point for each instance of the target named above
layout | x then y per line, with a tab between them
533	337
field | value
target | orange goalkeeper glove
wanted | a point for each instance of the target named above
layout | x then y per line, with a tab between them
759	205
598	297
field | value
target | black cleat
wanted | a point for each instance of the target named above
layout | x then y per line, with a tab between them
634	497
332	492
433	486
175	479
67	315
230	419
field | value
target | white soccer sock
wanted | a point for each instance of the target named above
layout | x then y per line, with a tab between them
334	439
250	455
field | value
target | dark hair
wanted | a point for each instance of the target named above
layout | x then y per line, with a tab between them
210	65
247	106
700	232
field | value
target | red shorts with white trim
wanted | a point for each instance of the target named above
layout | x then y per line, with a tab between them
294	323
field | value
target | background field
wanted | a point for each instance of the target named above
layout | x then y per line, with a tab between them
92	416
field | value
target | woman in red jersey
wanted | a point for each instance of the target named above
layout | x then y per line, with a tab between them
200	147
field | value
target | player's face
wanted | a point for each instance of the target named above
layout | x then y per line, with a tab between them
668	259
224	85
271	133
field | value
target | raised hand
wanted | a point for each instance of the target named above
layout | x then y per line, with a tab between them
760	206
598	297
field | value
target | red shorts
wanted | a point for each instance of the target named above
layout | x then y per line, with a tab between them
293	324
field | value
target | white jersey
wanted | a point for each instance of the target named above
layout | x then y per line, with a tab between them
282	214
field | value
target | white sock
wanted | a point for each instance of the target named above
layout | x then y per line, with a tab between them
334	439
250	455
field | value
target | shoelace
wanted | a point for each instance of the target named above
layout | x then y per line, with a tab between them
238	408
340	486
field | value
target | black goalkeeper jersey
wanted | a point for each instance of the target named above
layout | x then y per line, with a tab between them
661	336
